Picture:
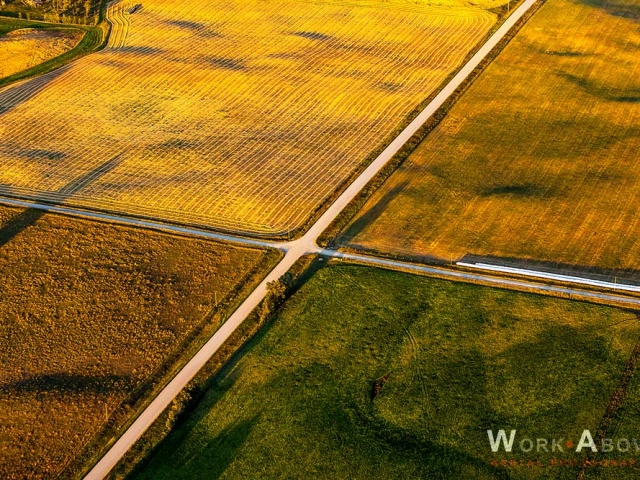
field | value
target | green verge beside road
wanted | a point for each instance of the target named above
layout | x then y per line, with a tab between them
452	361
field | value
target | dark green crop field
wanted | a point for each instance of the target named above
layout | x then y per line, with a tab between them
458	359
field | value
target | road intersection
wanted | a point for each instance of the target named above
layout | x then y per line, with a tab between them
294	250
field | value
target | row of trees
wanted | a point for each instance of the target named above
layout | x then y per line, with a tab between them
66	11
72	7
54	17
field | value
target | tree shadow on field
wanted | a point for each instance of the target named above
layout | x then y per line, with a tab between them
371	215
63	382
631	95
12	97
30	216
221	450
218	453
629	9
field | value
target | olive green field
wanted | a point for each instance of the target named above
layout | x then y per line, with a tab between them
458	359
537	161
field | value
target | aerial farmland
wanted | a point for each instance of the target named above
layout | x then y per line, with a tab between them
538	161
319	239
226	116
455	359
84	332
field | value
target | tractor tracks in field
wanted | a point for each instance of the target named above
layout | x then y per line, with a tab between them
616	402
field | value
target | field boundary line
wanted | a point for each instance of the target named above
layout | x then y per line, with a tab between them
53	64
294	250
143	223
574	293
368	259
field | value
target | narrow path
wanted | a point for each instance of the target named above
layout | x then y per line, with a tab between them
607	426
307	245
542	288
294	250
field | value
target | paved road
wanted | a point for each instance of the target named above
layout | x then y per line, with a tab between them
299	248
485	279
293	251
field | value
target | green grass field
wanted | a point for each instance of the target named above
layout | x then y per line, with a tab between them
91	316
461	359
537	161
623	426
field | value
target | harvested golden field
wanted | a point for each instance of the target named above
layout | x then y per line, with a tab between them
537	161
25	48
88	313
238	115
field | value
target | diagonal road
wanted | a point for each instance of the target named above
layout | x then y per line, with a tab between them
307	245
293	251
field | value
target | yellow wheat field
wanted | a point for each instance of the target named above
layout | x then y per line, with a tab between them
238	115
538	161
27	47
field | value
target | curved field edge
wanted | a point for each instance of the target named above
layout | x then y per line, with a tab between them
457	360
94	39
47	289
25	48
248	188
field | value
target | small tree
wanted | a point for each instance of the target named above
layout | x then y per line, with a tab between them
276	294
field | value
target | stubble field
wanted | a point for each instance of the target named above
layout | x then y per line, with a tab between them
537	161
88	314
236	115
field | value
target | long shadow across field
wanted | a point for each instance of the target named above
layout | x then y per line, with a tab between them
14	96
64	382
30	216
617	8
372	214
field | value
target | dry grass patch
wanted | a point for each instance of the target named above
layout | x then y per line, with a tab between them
538	160
88	312
26	48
